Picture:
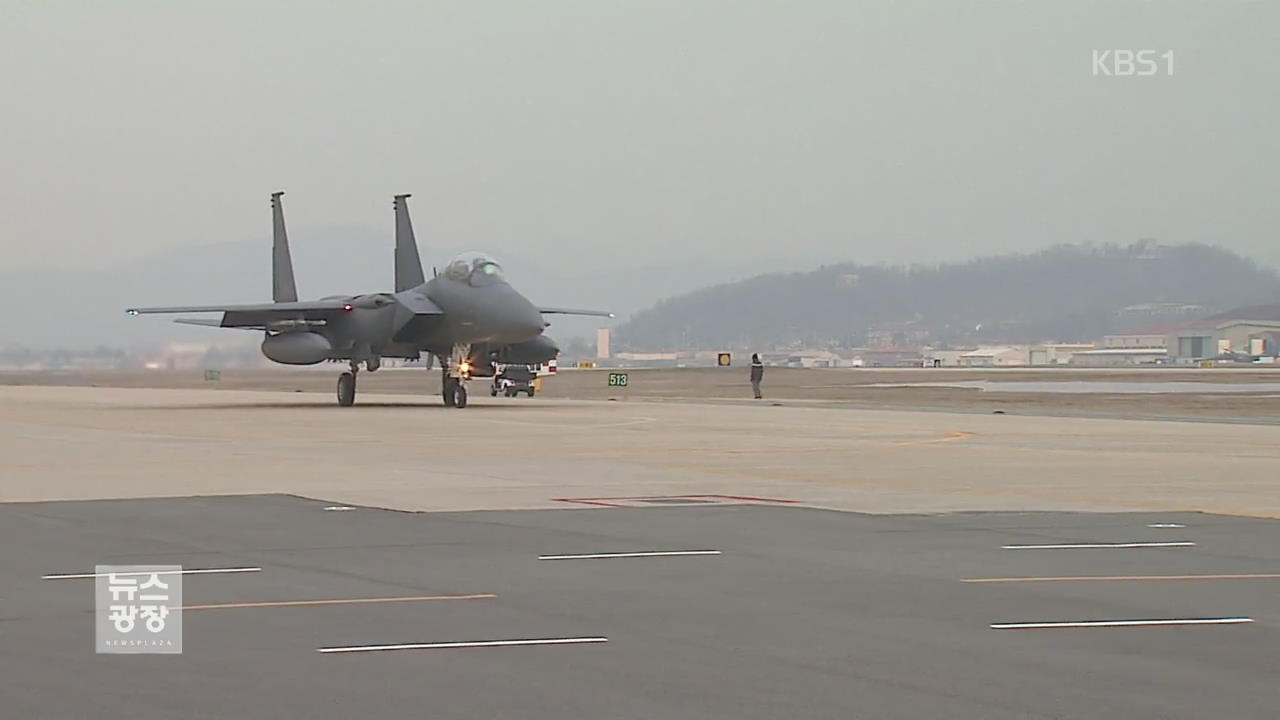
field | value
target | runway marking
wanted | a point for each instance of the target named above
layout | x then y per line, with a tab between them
635	420
652	553
1087	546
1120	623
339	508
617	502
1166	525
1125	578
476	644
348	601
598	503
202	571
949	437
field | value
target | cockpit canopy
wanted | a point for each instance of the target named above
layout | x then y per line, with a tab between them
473	268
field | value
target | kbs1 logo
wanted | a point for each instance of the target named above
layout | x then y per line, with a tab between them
1130	63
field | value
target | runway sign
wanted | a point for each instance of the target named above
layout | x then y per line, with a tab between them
724	359
617	379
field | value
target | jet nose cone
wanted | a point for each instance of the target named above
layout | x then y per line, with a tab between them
526	321
533	322
514	318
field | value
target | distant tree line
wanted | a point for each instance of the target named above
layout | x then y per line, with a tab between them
1065	293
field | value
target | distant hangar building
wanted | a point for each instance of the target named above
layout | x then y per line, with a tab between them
1249	331
1257	338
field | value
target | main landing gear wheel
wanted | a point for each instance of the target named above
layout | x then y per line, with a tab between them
447	390
347	389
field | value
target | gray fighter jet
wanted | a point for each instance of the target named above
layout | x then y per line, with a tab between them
466	316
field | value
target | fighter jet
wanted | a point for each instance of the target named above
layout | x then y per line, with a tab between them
467	316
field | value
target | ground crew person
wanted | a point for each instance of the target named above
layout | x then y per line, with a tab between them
757	374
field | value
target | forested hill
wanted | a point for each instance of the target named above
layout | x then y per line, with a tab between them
1065	293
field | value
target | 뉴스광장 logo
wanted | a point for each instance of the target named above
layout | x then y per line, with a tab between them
138	608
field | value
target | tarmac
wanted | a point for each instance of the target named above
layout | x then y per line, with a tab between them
1240	395
803	613
411	453
743	561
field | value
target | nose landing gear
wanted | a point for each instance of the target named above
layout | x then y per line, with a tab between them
454	392
455	372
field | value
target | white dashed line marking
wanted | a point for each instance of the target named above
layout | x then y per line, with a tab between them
1120	623
1092	546
655	553
477	644
204	571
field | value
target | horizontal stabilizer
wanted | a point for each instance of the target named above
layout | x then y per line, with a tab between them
572	311
418	303
416	316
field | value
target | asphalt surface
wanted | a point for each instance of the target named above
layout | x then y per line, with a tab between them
806	613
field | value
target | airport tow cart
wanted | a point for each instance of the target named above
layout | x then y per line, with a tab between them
513	380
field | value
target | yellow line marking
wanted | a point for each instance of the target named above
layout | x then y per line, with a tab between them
1103	578
949	437
350	601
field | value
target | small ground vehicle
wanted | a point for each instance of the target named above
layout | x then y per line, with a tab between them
512	380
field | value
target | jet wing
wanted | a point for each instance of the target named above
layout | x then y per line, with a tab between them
572	311
257	315
281	307
277	314
209	322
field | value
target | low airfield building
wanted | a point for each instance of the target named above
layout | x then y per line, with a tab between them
1149	339
944	358
1055	353
816	359
1001	356
1119	357
887	357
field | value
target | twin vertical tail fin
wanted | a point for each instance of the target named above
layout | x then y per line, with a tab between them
283	288
408	264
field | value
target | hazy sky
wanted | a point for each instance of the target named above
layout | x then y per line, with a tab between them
599	134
